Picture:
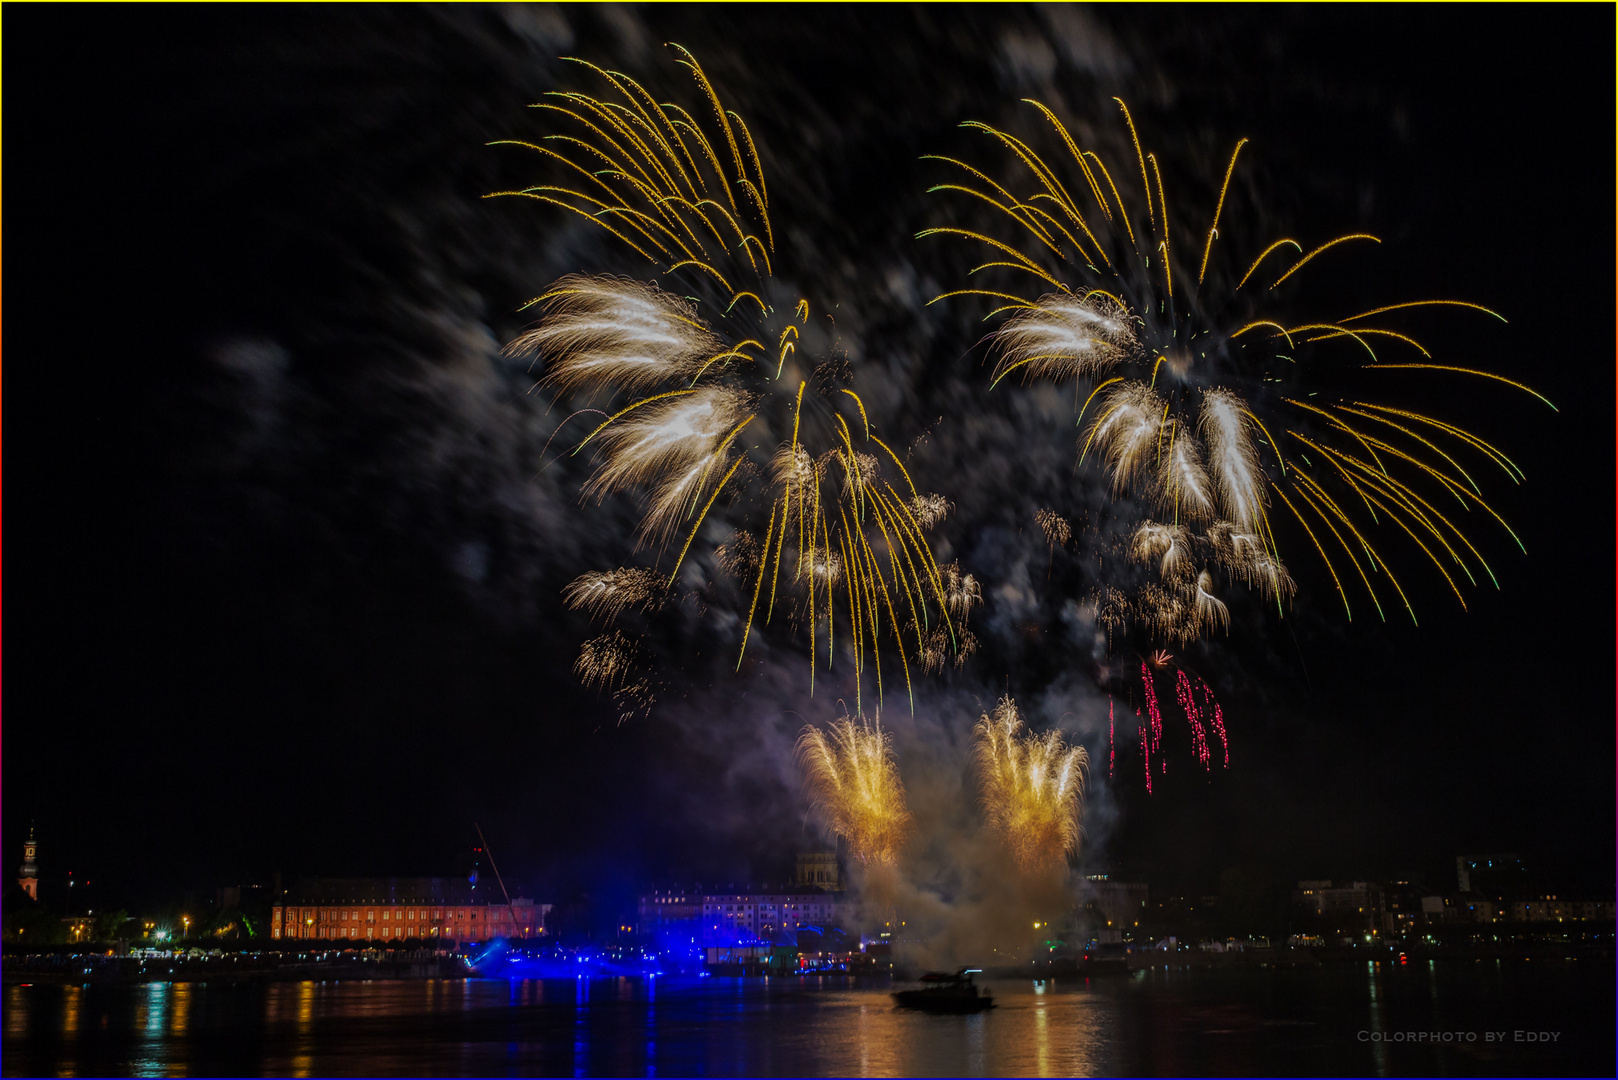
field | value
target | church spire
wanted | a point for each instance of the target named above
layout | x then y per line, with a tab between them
29	873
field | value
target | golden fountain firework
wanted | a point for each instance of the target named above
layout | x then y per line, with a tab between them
1120	300
854	784
715	410
1031	787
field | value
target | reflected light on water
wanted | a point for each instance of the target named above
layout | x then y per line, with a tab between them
306	1006
154	1010
1042	1030
1168	1023
1379	1049
16	1012
182	1008
581	1027
302	1058
70	1011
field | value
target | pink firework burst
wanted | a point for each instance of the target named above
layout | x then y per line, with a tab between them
1203	715
1148	687
1193	716
1112	746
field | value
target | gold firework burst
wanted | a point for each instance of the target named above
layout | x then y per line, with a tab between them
717	409
1120	297
1031	786
854	784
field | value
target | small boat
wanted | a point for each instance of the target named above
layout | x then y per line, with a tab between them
942	992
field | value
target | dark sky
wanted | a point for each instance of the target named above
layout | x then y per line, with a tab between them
284	587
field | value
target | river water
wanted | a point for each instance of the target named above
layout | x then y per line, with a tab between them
1364	1019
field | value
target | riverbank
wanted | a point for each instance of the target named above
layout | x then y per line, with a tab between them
1127	960
403	965
81	969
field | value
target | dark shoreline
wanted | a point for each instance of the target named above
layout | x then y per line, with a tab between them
81	969
56	969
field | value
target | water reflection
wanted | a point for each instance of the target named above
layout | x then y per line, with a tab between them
650	1028
1379	1049
154	1010
182	1008
70	1011
1042	1030
1277	1022
303	1061
72	1003
306	1006
581	1027
16	1012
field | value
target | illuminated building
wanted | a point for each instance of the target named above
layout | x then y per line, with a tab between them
28	875
1354	907
1118	905
756	914
399	909
818	870
1555	909
748	915
1401	908
727	919
671	916
1356	898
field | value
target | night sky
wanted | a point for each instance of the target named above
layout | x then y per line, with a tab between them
285	573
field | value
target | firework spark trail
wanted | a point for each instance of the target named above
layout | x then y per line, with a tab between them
1128	432
1057	533
1112	746
1149	688
1061	336
961	592
1166	544
1201	714
1230	445
1055	527
1188	369
1031	787
1218	720
1145	749
929	510
1193	716
1184	480
605	662
607	594
710	382
612	332
854	784
1210	611
936	650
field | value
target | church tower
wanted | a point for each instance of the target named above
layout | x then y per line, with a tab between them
29	874
818	870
